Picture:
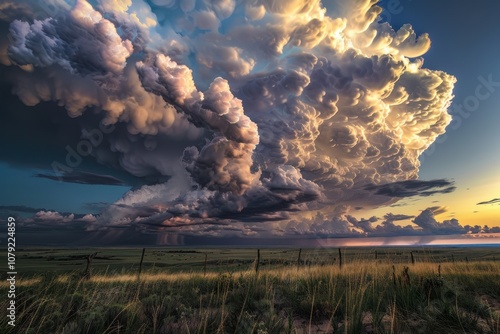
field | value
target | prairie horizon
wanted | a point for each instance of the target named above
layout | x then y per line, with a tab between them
250	166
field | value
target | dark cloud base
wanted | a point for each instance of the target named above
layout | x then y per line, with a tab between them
65	239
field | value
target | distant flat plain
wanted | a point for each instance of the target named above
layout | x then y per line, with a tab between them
126	260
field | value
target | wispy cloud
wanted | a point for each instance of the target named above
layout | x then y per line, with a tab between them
83	178
19	208
493	201
412	188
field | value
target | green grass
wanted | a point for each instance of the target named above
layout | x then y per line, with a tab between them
121	260
361	297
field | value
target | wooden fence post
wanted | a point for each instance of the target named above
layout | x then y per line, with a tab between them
258	262
86	274
394	275
298	258
205	265
140	264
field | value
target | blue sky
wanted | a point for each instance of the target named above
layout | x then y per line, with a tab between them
462	45
36	192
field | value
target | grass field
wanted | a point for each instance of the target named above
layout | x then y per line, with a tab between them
380	290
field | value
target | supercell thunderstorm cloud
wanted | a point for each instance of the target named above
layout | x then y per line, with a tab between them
241	111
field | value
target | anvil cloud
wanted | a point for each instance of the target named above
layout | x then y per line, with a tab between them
247	110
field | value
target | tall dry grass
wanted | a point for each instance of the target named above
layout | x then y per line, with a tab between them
360	297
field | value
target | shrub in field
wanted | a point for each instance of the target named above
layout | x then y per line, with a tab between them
71	304
118	317
92	321
433	286
156	310
70	328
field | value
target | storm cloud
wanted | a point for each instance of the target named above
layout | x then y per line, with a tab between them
242	111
